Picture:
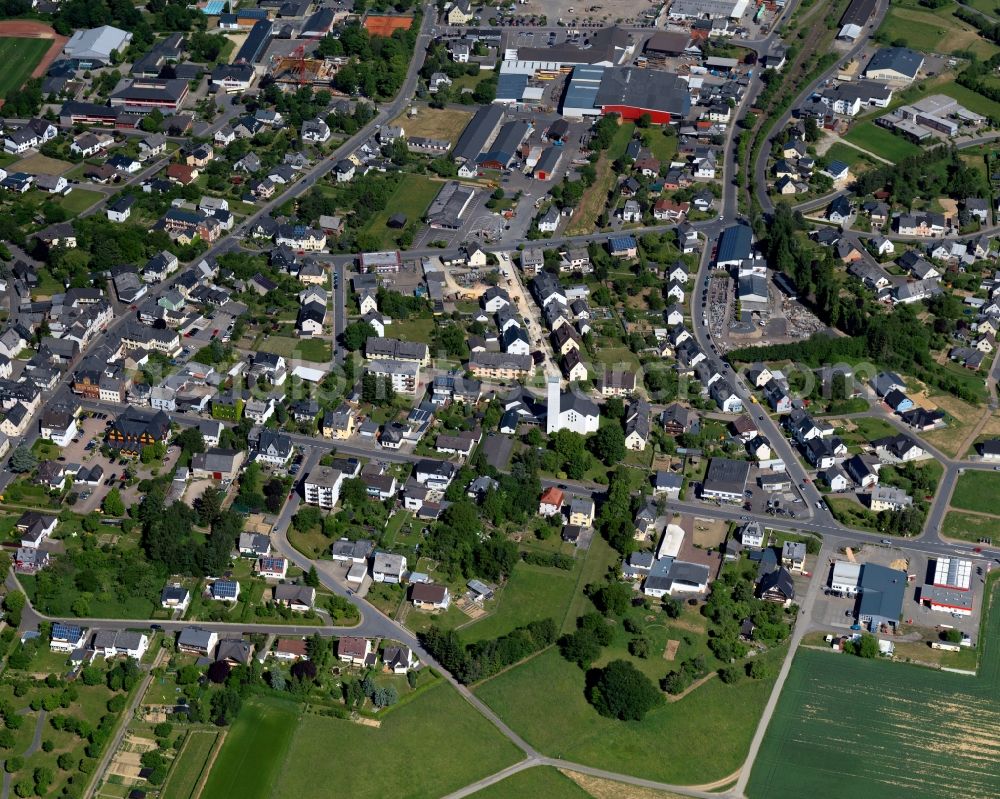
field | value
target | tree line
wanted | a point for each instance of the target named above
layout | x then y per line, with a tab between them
470	663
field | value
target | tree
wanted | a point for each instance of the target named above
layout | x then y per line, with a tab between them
190	440
867	647
22	460
621	691
953	636
580	647
608	444
312	577
639	647
613	599
304	670
112	504
218	671
356	334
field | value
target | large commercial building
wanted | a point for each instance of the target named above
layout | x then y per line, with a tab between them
478	134
501	152
711	9
627	91
855	18
898	65
94	47
949	589
448	208
256	43
143	95
608	47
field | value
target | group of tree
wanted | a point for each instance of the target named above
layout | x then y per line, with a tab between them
471	663
615	518
376	65
583	645
377	389
171	543
462	549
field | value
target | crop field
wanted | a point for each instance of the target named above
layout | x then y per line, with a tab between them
189	766
250	759
432	746
19	57
846	726
977	491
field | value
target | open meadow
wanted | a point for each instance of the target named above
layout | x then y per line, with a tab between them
430	747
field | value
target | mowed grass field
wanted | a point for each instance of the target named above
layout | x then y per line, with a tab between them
868	136
19	58
977	491
541	781
432	746
187	770
251	757
970	526
846	726
701	738
533	593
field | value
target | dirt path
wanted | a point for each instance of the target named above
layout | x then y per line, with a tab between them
690	688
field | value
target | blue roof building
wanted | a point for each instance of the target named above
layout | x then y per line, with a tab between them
735	246
226	590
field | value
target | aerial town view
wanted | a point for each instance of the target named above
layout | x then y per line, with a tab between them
439	400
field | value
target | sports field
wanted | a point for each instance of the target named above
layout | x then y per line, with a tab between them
250	759
432	746
19	57
189	767
846	726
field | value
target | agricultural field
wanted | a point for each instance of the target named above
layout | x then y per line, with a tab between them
20	57
976	491
251	757
890	730
534	782
868	136
189	766
39	164
435	745
435	123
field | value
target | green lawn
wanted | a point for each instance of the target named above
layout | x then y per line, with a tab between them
937	30
970	526
849	155
532	593
846	726
662	147
79	200
412	330
846	511
542	781
21	56
316	350
702	737
868	136
872	428
411	197
251	757
430	747
279	345
978	491
189	766
47	284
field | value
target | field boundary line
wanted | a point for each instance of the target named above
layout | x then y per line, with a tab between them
209	763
